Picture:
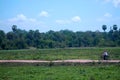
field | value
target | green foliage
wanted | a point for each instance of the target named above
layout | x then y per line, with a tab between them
21	39
2	40
58	54
103	72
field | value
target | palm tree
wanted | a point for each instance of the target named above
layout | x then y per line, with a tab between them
104	27
115	27
14	28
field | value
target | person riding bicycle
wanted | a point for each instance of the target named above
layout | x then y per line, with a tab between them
105	55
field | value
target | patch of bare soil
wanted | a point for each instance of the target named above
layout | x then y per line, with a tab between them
74	61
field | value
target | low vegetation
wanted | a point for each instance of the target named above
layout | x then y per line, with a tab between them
103	72
66	71
59	54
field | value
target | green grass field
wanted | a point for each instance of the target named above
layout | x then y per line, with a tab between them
59	54
90	71
103	72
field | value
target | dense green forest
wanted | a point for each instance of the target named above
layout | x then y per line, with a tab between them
22	39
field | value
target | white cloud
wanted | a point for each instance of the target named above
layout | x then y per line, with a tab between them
76	19
116	3
107	0
107	15
32	20
21	18
62	21
73	19
105	18
43	14
23	22
102	20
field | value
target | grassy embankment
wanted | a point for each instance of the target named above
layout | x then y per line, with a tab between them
59	54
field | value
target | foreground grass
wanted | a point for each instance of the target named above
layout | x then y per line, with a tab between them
103	72
59	54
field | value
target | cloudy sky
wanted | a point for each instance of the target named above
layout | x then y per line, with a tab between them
45	15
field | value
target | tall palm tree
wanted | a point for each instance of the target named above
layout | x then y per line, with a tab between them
104	27
115	27
14	28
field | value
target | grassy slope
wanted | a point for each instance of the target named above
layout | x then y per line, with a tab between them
59	54
105	72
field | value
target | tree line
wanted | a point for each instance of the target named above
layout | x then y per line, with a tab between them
22	39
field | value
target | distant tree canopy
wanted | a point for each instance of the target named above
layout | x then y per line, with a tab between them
21	39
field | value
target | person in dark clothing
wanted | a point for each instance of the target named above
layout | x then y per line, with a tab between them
105	55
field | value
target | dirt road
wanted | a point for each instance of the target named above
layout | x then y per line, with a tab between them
45	61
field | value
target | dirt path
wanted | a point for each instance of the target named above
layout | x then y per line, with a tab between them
44	61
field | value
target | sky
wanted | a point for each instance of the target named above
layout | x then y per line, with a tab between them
56	15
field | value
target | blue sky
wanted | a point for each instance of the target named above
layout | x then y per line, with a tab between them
45	15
